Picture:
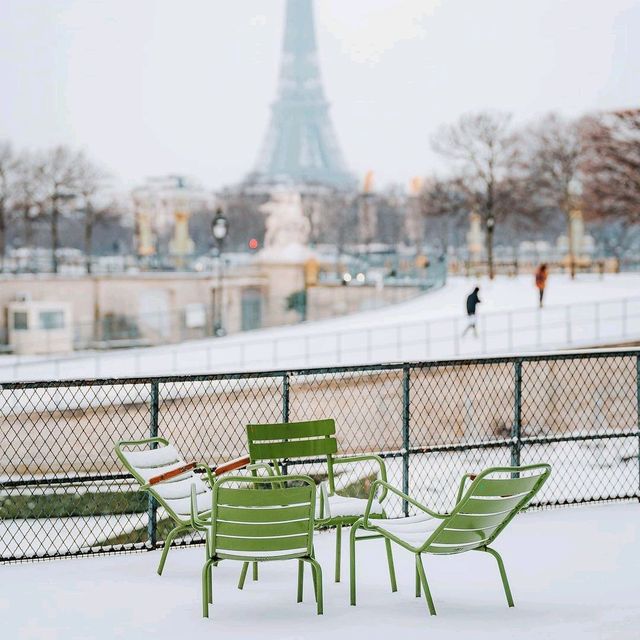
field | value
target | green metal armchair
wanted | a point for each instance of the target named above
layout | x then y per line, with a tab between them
481	513
315	439
275	523
164	474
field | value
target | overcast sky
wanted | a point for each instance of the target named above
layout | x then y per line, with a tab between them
150	87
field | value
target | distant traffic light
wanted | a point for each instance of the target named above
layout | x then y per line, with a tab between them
253	244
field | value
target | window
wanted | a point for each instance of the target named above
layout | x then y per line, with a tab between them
51	320
20	320
251	309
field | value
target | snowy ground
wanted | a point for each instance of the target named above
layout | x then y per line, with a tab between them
587	312
573	571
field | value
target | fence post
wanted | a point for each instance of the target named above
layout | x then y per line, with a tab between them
517	415
153	433
638	416
405	437
285	411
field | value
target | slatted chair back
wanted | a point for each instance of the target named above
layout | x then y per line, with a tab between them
488	505
293	440
174	493
274	522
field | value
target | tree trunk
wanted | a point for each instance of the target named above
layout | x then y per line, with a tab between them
572	259
3	234
54	235
27	230
88	237
490	252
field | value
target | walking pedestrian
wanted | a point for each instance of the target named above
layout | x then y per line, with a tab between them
541	280
472	302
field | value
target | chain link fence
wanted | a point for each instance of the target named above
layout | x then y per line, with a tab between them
63	492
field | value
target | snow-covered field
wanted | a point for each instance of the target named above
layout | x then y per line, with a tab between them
573	572
587	312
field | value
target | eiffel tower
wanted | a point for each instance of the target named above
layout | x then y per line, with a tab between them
300	147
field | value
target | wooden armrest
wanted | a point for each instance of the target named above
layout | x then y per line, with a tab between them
172	474
232	465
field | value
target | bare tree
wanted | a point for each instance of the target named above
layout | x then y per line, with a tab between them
29	202
7	189
445	205
89	184
483	149
553	160
611	176
58	172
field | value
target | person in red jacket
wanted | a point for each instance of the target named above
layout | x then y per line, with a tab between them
541	280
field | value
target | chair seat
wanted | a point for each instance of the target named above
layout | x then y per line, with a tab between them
345	507
413	530
182	506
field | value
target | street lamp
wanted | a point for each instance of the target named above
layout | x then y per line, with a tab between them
220	230
491	221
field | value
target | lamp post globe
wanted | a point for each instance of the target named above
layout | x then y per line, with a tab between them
219	228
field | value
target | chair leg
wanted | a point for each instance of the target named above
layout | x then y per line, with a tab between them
503	575
317	578
392	569
352	561
338	551
315	586
167	544
255	571
207	588
418	591
425	585
243	575
300	580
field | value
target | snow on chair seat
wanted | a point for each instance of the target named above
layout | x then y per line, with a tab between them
345	507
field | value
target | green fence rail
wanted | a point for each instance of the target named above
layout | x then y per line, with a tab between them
63	491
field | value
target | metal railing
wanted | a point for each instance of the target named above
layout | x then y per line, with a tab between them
63	491
577	325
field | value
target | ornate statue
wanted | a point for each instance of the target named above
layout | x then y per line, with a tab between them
146	238
287	230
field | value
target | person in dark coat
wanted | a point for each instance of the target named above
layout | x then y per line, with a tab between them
472	302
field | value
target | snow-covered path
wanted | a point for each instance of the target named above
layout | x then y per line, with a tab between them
573	572
587	312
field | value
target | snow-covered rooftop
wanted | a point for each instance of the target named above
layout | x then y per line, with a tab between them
573	571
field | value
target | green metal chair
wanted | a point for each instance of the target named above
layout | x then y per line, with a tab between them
315	439
481	513
275	523
163	473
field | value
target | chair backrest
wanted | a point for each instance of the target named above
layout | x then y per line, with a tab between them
173	494
290	440
263	524
488	505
